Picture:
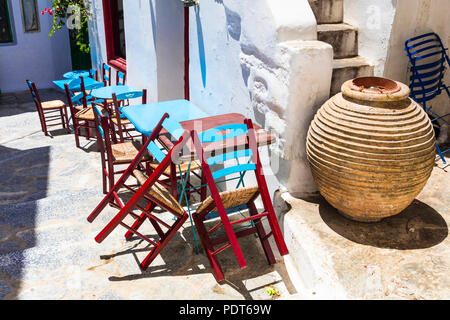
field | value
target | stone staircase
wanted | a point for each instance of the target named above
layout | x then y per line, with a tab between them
343	37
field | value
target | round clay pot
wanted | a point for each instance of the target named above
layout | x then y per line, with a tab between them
371	149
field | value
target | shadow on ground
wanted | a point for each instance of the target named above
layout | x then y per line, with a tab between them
23	181
417	227
180	259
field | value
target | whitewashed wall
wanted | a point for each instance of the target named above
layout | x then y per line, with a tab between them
258	58
261	59
154	32
33	55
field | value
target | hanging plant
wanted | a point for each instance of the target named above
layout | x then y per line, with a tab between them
74	14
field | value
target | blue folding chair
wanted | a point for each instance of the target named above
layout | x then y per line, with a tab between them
428	58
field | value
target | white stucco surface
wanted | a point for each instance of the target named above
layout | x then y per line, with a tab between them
33	56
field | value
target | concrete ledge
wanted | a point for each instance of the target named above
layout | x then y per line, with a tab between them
402	257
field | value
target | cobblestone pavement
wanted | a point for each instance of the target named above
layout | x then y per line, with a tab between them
47	248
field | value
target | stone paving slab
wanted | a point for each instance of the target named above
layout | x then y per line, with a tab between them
47	249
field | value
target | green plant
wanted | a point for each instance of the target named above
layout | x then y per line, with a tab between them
74	14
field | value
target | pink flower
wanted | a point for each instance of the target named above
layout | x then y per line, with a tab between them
42	12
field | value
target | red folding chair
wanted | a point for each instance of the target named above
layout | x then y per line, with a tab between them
234	200
150	191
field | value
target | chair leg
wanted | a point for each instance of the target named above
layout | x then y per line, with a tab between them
66	118
209	249
163	242
63	121
76	131
140	221
262	234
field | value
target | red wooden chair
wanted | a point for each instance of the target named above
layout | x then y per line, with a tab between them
151	192
234	200
47	109
112	154
81	112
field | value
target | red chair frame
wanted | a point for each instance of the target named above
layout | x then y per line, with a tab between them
142	194
79	124
230	239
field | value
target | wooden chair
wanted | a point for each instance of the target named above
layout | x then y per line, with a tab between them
151	192
81	112
227	202
47	109
112	154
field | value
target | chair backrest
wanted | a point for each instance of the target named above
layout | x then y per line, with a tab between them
104	133
106	73
75	100
120	78
117	99
228	135
427	57
35	94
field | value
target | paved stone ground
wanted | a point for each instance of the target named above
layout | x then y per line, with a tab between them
47	249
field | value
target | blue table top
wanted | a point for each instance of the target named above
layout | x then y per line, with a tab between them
88	83
106	92
145	117
76	74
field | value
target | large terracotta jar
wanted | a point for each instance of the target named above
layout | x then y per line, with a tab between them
371	149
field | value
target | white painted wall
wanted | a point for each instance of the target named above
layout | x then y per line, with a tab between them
33	55
262	60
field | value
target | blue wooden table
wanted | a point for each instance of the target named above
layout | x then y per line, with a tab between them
74	85
76	74
107	92
145	117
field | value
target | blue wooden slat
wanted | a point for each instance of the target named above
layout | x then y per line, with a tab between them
129	95
436	46
234	169
156	151
230	155
173	127
214	134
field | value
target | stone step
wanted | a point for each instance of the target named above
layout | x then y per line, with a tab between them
342	37
349	68
328	11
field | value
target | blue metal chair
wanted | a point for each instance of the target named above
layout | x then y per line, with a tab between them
428	58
